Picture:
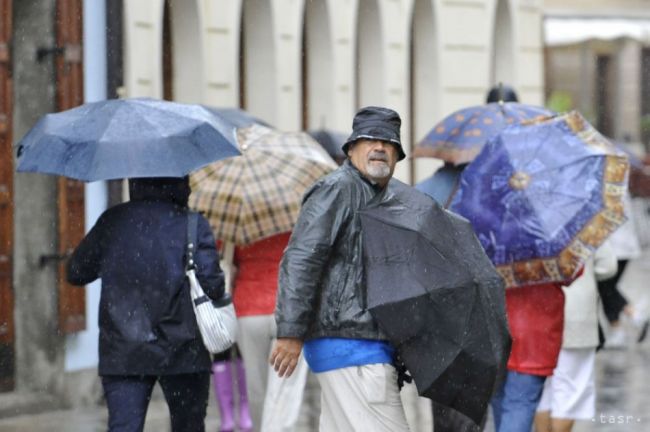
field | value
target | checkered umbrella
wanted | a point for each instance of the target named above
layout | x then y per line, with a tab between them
258	194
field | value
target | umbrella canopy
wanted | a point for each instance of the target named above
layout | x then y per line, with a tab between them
237	117
436	295
126	138
459	137
259	194
442	184
331	141
542	197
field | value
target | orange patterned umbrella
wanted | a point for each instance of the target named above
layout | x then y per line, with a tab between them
460	136
542	197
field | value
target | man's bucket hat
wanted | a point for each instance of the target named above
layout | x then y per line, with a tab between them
376	123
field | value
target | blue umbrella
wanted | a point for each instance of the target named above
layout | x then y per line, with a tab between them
459	137
126	138
442	184
543	197
332	141
237	117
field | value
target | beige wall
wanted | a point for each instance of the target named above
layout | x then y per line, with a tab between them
361	54
604	8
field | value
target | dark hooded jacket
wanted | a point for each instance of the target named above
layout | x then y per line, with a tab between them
146	322
321	291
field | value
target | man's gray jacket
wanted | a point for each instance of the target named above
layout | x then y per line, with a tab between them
321	288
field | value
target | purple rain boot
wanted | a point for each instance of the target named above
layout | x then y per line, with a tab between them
245	421
223	390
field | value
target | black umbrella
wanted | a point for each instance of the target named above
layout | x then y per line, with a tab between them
126	138
437	296
331	141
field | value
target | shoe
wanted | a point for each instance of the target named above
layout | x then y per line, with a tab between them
616	339
223	390
245	420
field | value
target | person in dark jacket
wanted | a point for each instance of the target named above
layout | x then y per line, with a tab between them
320	302
147	328
501	93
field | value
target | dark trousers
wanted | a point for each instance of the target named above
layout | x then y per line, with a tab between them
613	300
127	398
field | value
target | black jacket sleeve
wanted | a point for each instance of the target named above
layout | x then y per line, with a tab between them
208	271
324	212
85	263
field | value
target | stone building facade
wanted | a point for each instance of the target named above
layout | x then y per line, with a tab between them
298	64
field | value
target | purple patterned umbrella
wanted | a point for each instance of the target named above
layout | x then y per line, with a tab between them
459	137
542	197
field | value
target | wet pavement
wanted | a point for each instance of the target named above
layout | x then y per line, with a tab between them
623	392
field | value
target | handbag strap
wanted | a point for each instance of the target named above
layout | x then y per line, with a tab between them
192	223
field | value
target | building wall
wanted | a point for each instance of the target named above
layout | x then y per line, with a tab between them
627	104
571	66
39	346
571	69
424	58
604	8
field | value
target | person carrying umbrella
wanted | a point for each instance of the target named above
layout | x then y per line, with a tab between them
148	331
444	182
147	328
252	203
541	198
320	296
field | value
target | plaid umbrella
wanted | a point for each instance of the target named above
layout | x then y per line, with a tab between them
259	194
460	136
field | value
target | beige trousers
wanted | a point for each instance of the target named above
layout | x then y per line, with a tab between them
274	402
361	398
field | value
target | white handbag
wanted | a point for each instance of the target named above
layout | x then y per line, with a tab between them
216	320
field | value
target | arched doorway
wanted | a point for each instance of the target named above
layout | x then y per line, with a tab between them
317	67
182	65
425	81
257	61
370	55
503	65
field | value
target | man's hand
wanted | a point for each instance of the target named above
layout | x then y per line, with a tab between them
285	355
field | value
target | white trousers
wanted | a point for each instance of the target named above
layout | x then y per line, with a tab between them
274	401
361	398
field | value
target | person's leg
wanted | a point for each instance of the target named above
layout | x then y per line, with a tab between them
223	390
283	399
561	425
254	340
613	301
521	394
245	421
187	398
496	403
127	399
361	398
543	414
543	421
574	396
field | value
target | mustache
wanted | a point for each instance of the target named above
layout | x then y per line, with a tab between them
376	155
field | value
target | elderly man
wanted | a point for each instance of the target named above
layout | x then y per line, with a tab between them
320	304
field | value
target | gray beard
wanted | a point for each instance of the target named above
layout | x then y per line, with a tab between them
378	171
